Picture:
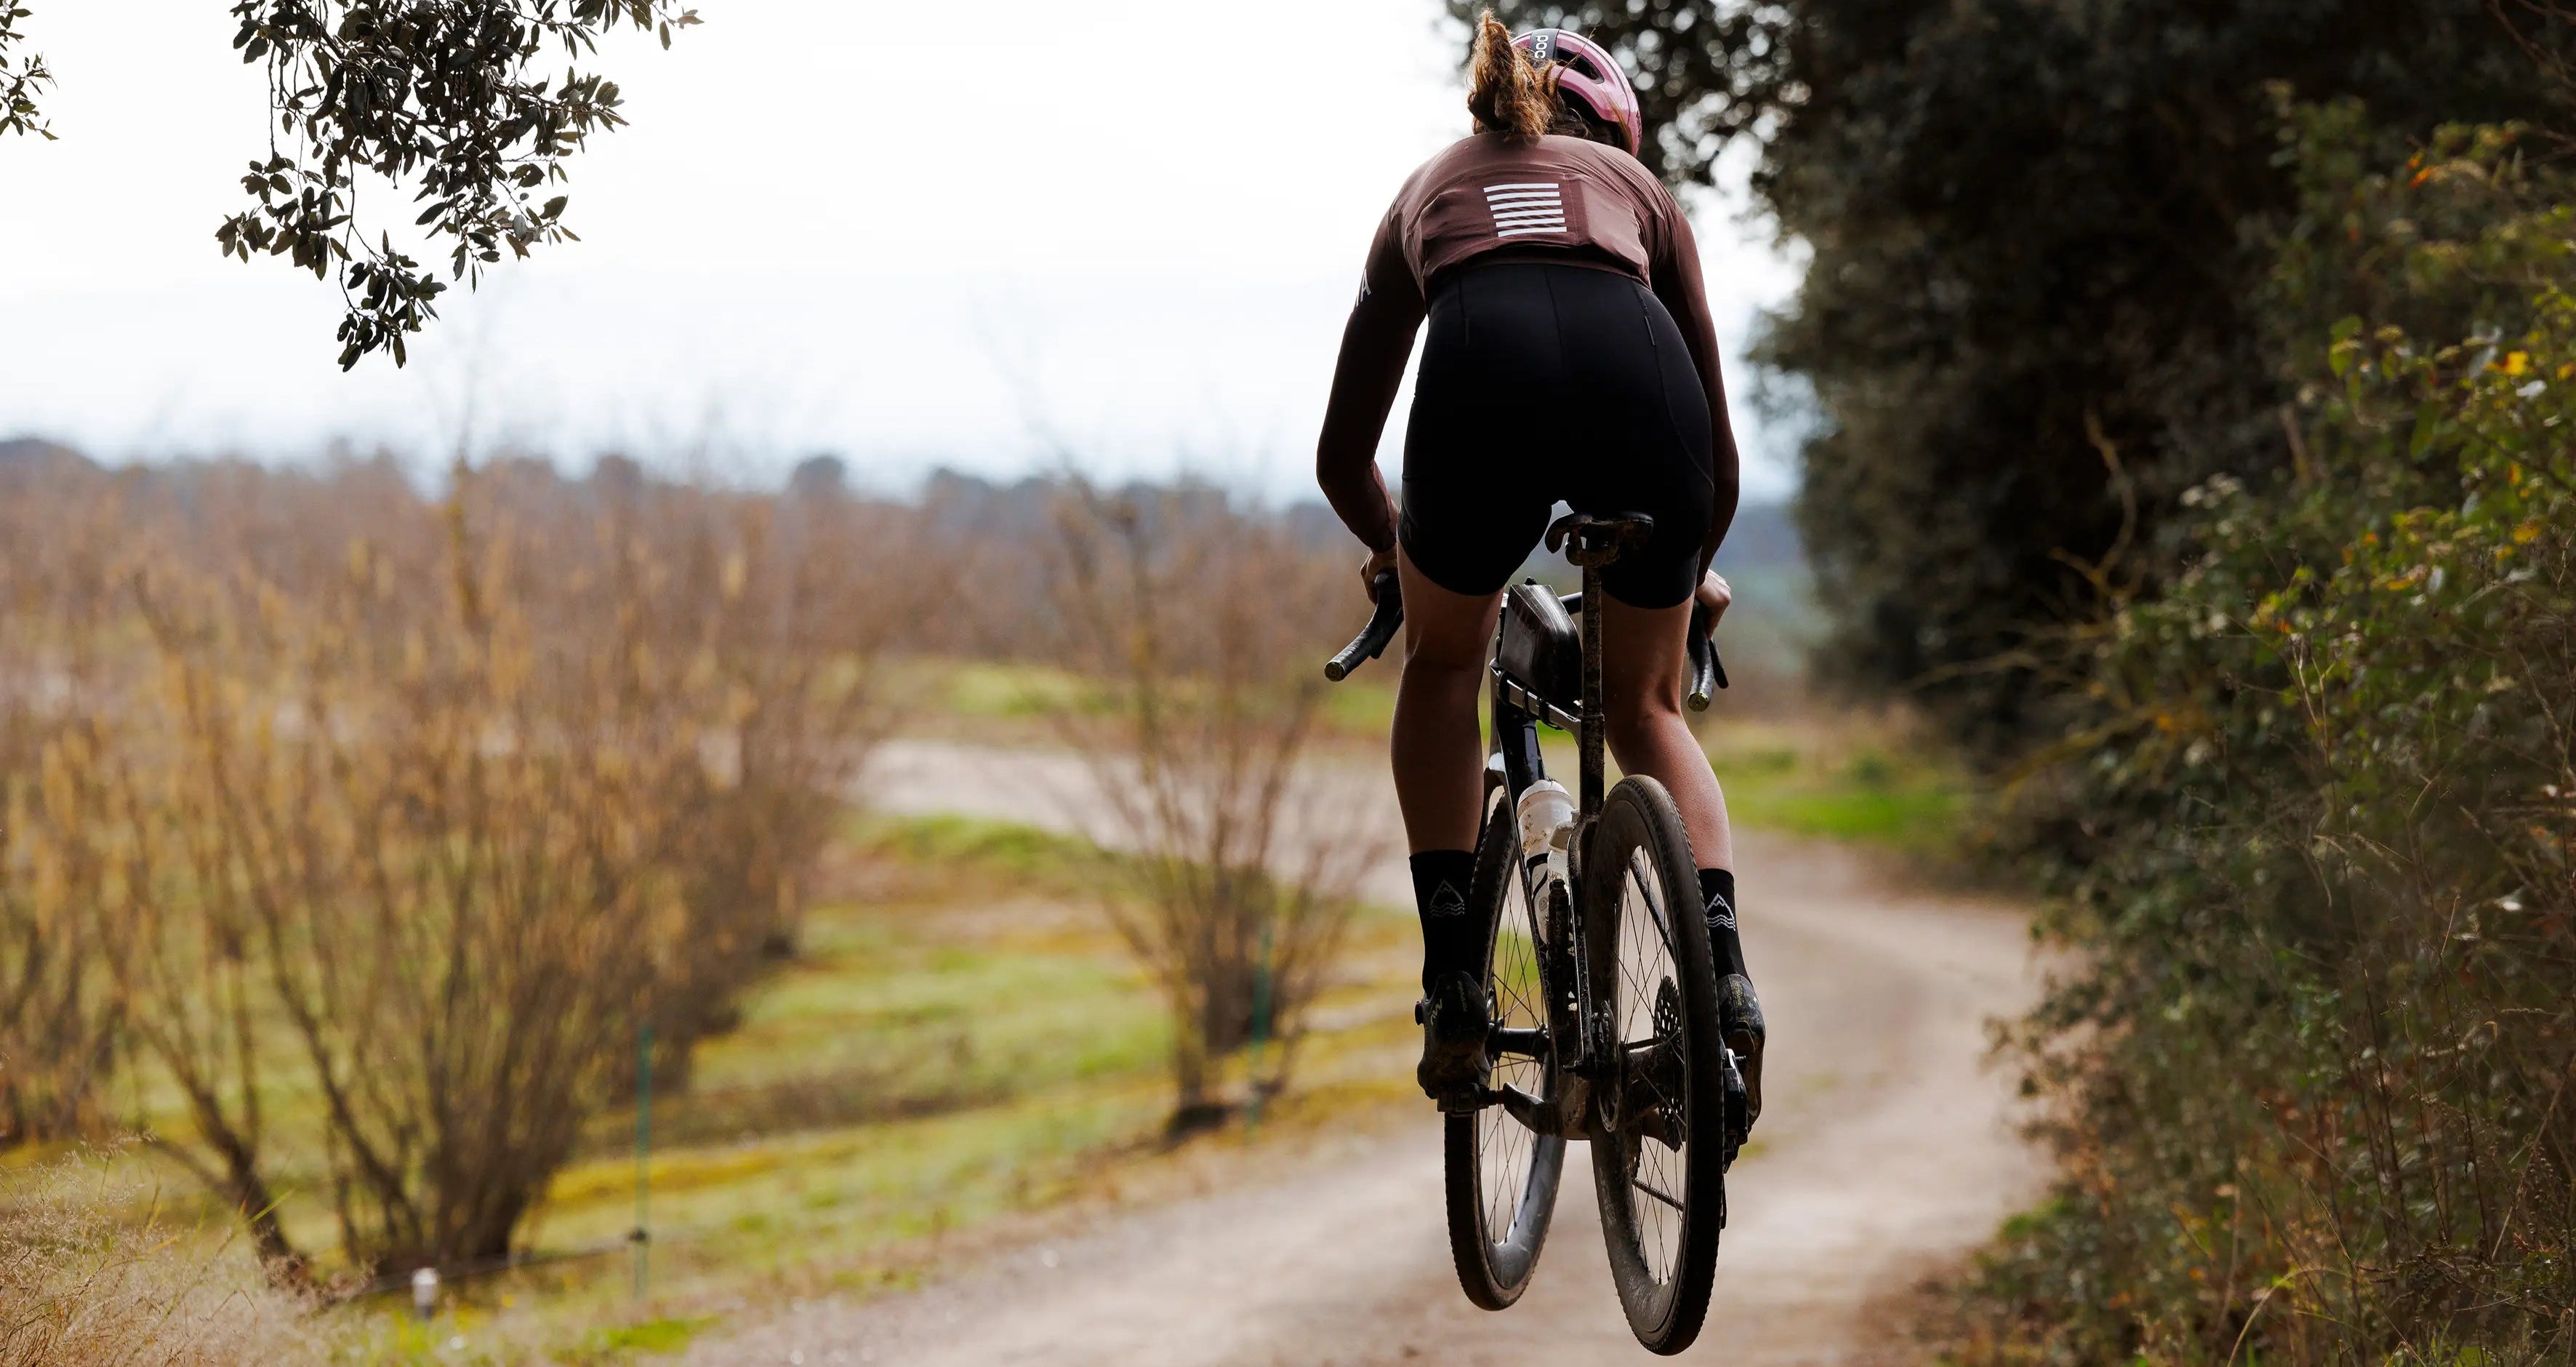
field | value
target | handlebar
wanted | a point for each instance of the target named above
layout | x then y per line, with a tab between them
1373	638
1707	671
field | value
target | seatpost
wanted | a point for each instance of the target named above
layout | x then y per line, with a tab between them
1592	543
1592	738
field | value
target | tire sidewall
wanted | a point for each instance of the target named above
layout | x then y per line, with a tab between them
1497	851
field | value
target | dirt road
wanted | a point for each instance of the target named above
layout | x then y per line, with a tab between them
1885	1150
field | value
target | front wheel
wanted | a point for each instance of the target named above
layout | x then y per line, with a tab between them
1501	1176
1658	1147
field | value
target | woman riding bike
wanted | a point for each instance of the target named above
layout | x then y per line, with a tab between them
1570	357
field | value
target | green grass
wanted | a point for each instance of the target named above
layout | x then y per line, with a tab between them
992	690
1859	780
999	701
627	1342
1362	707
917	1046
1865	789
1012	856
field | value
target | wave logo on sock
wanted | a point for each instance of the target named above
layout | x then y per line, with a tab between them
1720	915
1448	901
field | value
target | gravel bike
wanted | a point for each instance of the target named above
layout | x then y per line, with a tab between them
1598	979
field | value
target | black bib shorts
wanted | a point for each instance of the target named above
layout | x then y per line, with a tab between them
1543	382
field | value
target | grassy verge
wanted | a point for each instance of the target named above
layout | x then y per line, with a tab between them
93	1271
1859	780
1002	703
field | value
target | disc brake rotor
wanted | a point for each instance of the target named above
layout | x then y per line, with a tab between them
1655	1086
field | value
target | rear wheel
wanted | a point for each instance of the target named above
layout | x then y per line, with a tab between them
1658	1161
1502	1176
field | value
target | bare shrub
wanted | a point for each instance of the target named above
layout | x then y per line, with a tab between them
58	1009
84	1281
424	808
1198	625
444	858
781	612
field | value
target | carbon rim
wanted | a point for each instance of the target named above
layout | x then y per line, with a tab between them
1506	1150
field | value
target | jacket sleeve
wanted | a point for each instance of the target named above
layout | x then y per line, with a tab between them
1376	343
1678	285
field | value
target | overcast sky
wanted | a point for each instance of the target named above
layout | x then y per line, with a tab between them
993	242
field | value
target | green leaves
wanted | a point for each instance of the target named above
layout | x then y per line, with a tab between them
22	75
437	97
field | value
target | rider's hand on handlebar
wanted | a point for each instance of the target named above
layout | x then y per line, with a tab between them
1715	595
1379	562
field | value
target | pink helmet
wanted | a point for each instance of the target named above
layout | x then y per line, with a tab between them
1588	72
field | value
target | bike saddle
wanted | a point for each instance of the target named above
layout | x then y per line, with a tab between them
1599	540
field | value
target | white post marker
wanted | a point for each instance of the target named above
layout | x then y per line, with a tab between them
424	1292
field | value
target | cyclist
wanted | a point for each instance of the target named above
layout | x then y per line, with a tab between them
1570	356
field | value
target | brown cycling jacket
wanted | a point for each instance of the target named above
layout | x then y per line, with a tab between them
1492	197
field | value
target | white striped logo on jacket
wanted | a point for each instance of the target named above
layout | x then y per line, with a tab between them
1526	207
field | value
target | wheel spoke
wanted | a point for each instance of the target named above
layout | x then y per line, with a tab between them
1658	1193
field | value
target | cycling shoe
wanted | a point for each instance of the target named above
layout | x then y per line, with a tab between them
1455	1021
1739	1021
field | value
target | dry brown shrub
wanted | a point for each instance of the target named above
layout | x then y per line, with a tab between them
1200	626
426	807
58	1010
84	1280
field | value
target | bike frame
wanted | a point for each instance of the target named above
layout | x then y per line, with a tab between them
1564	960
1563	954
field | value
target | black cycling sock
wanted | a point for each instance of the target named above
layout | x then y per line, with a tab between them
1717	896
1451	939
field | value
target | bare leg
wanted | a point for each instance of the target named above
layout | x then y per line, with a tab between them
1643	651
1641	678
1438	749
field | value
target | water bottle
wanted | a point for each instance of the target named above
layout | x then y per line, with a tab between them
1546	814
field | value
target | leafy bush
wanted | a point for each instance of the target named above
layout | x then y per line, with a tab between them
2317	841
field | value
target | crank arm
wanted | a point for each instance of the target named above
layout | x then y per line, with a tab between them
1567	1117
